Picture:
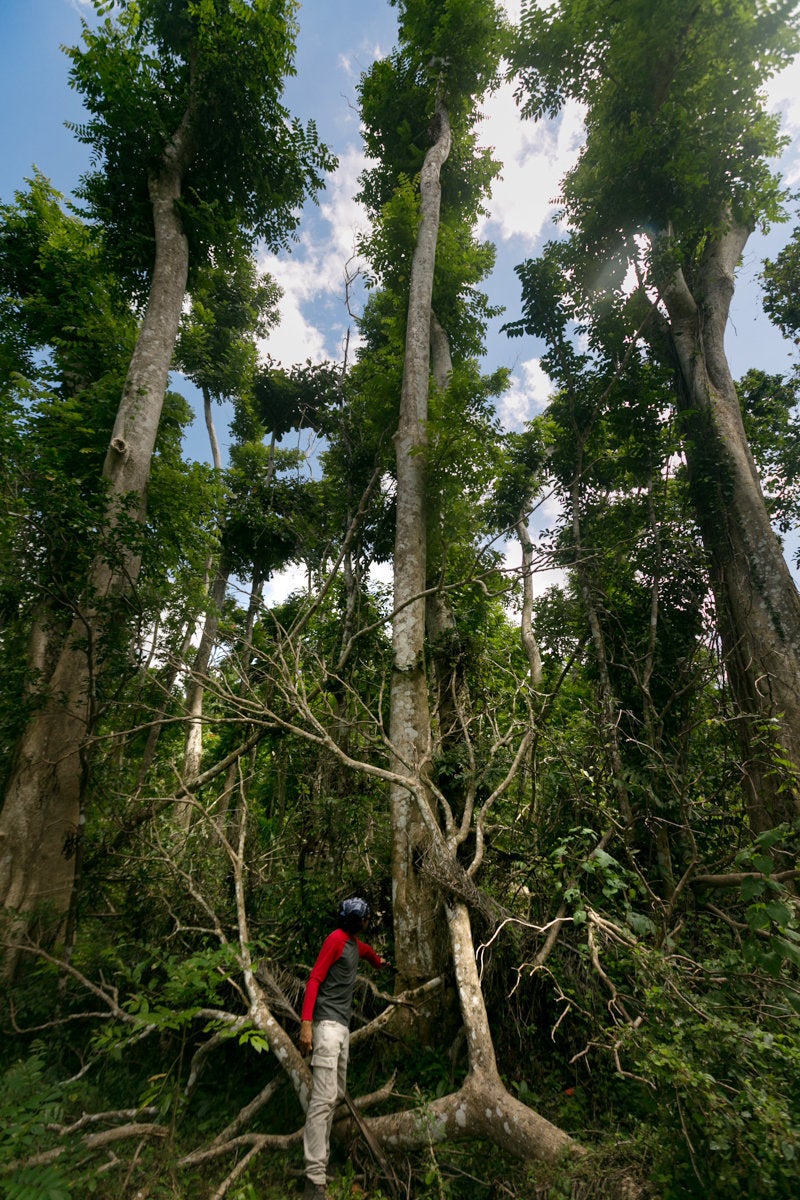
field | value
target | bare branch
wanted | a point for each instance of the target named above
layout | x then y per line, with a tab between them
402	998
109	998
126	1114
246	1114
258	1141
480	824
92	1141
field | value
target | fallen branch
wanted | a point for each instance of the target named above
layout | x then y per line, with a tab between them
91	1141
127	1114
260	1142
257	1141
109	998
375	1148
246	1113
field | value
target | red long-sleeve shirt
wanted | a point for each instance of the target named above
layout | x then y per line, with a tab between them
333	977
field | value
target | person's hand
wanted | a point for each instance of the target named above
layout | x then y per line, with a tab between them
306	1039
385	964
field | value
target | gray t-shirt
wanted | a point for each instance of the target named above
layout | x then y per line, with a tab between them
335	996
329	994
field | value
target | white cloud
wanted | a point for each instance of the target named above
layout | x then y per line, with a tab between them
514	7
296	338
283	583
527	395
535	157
783	95
315	271
346	217
783	92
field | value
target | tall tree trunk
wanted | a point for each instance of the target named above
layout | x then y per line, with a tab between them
245	655
208	413
42	816
410	730
608	704
195	688
527	636
452	704
758	606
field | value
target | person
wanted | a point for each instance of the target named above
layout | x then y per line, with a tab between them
325	1032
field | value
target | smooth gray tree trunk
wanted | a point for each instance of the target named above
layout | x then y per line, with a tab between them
42	819
414	901
758	607
195	687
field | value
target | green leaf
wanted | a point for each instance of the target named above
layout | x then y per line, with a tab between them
778	912
752	887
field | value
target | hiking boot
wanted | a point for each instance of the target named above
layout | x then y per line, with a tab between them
314	1191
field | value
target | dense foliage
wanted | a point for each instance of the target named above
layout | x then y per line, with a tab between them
636	931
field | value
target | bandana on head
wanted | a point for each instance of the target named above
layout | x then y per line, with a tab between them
354	907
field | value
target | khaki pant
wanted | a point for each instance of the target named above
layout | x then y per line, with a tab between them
331	1048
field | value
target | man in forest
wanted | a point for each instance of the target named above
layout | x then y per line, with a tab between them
325	1031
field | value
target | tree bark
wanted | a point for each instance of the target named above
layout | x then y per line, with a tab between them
208	413
195	688
414	902
482	1107
42	818
451	693
527	636
758	606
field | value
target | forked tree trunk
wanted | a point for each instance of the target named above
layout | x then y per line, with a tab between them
414	900
482	1107
42	817
758	606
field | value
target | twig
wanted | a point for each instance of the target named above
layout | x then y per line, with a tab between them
403	998
258	1141
248	1112
126	1114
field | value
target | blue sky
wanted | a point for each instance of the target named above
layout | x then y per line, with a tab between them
34	97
